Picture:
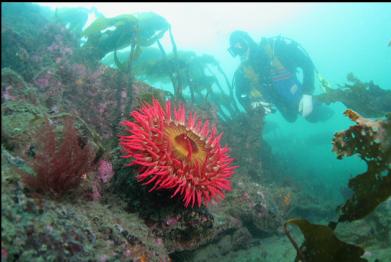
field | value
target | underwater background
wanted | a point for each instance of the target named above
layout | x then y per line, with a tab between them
52	67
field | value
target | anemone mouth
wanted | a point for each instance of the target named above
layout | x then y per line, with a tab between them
185	143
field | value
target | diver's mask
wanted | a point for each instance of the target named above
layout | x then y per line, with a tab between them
238	49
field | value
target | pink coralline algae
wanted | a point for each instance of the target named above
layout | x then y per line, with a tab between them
105	171
96	194
59	49
104	174
6	94
171	221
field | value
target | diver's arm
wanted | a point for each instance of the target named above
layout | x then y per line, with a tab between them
301	60
294	57
243	98
248	101
244	101
241	90
308	77
305	104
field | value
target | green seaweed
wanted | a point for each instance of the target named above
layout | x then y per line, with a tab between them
112	34
74	18
103	23
188	71
152	27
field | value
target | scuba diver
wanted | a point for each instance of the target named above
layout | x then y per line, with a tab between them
268	75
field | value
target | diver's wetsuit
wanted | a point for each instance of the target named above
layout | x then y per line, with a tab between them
275	62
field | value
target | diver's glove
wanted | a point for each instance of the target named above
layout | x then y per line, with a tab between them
267	107
305	105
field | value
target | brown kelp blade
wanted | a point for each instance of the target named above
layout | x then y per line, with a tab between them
371	140
321	245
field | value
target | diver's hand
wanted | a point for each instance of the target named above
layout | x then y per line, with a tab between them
305	105
266	106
